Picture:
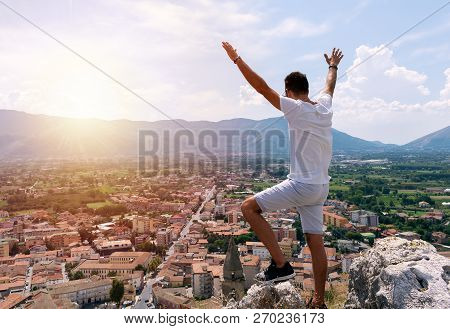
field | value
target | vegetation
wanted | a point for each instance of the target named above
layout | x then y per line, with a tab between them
117	291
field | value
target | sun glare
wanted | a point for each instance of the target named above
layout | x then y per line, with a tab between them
76	90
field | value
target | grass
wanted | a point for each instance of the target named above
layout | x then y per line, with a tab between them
96	205
339	188
440	197
107	189
263	185
407	191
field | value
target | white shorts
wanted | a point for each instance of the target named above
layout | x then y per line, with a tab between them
308	199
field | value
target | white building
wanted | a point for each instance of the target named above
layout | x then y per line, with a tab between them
364	217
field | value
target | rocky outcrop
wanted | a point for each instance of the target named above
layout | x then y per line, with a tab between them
281	295
397	273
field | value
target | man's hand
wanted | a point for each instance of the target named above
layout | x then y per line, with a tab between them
335	58
333	61
230	50
252	77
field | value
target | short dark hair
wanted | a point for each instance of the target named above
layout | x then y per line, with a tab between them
296	82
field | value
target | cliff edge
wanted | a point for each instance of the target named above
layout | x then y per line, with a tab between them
397	273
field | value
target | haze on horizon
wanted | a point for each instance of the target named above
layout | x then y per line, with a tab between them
170	53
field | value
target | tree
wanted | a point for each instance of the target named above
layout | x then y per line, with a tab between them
112	273
14	249
154	263
140	268
117	291
78	275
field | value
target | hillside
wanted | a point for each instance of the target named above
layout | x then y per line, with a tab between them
35	136
436	141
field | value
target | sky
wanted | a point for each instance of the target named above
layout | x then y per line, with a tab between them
170	53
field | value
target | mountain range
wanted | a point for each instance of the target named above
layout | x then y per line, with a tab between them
40	136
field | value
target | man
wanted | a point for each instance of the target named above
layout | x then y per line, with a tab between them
307	184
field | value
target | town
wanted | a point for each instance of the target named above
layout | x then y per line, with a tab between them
98	234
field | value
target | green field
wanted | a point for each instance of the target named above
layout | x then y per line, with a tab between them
442	198
407	191
334	187
96	205
107	189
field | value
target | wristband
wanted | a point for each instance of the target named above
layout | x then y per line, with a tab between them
235	60
335	66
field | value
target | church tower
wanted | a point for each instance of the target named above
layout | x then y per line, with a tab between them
233	284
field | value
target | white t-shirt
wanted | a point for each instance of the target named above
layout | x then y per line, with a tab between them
310	138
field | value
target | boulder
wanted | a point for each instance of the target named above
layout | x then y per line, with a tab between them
274	296
397	273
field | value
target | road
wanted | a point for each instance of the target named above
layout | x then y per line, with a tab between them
195	216
146	293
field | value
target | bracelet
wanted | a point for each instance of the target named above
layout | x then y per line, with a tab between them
235	60
335	66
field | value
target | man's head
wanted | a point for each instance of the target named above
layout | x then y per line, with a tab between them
296	84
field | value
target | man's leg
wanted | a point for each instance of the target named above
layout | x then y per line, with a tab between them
252	213
319	265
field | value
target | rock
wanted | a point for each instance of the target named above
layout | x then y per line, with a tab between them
397	273
280	295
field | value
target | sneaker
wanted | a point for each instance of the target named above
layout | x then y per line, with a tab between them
274	274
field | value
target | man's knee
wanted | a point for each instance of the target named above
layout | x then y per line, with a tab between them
250	205
314	240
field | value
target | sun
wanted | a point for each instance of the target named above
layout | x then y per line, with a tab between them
74	89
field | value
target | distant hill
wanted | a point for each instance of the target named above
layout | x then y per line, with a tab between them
36	136
437	141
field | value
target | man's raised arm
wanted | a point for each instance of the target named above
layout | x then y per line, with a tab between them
333	62
252	77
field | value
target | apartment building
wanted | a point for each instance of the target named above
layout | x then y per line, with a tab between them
120	263
202	280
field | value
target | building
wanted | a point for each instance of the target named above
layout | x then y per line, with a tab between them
180	247
258	249
330	218
106	248
251	265
83	252
163	237
33	241
233	217
364	217
219	210
84	291
61	240
286	247
119	263
306	253
233	284
4	248
143	224
171	298
202	280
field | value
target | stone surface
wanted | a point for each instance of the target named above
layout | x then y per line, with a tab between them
397	273
275	296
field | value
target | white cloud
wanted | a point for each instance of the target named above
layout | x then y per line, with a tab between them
423	90
375	73
402	72
249	96
294	27
445	92
379	100
309	57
